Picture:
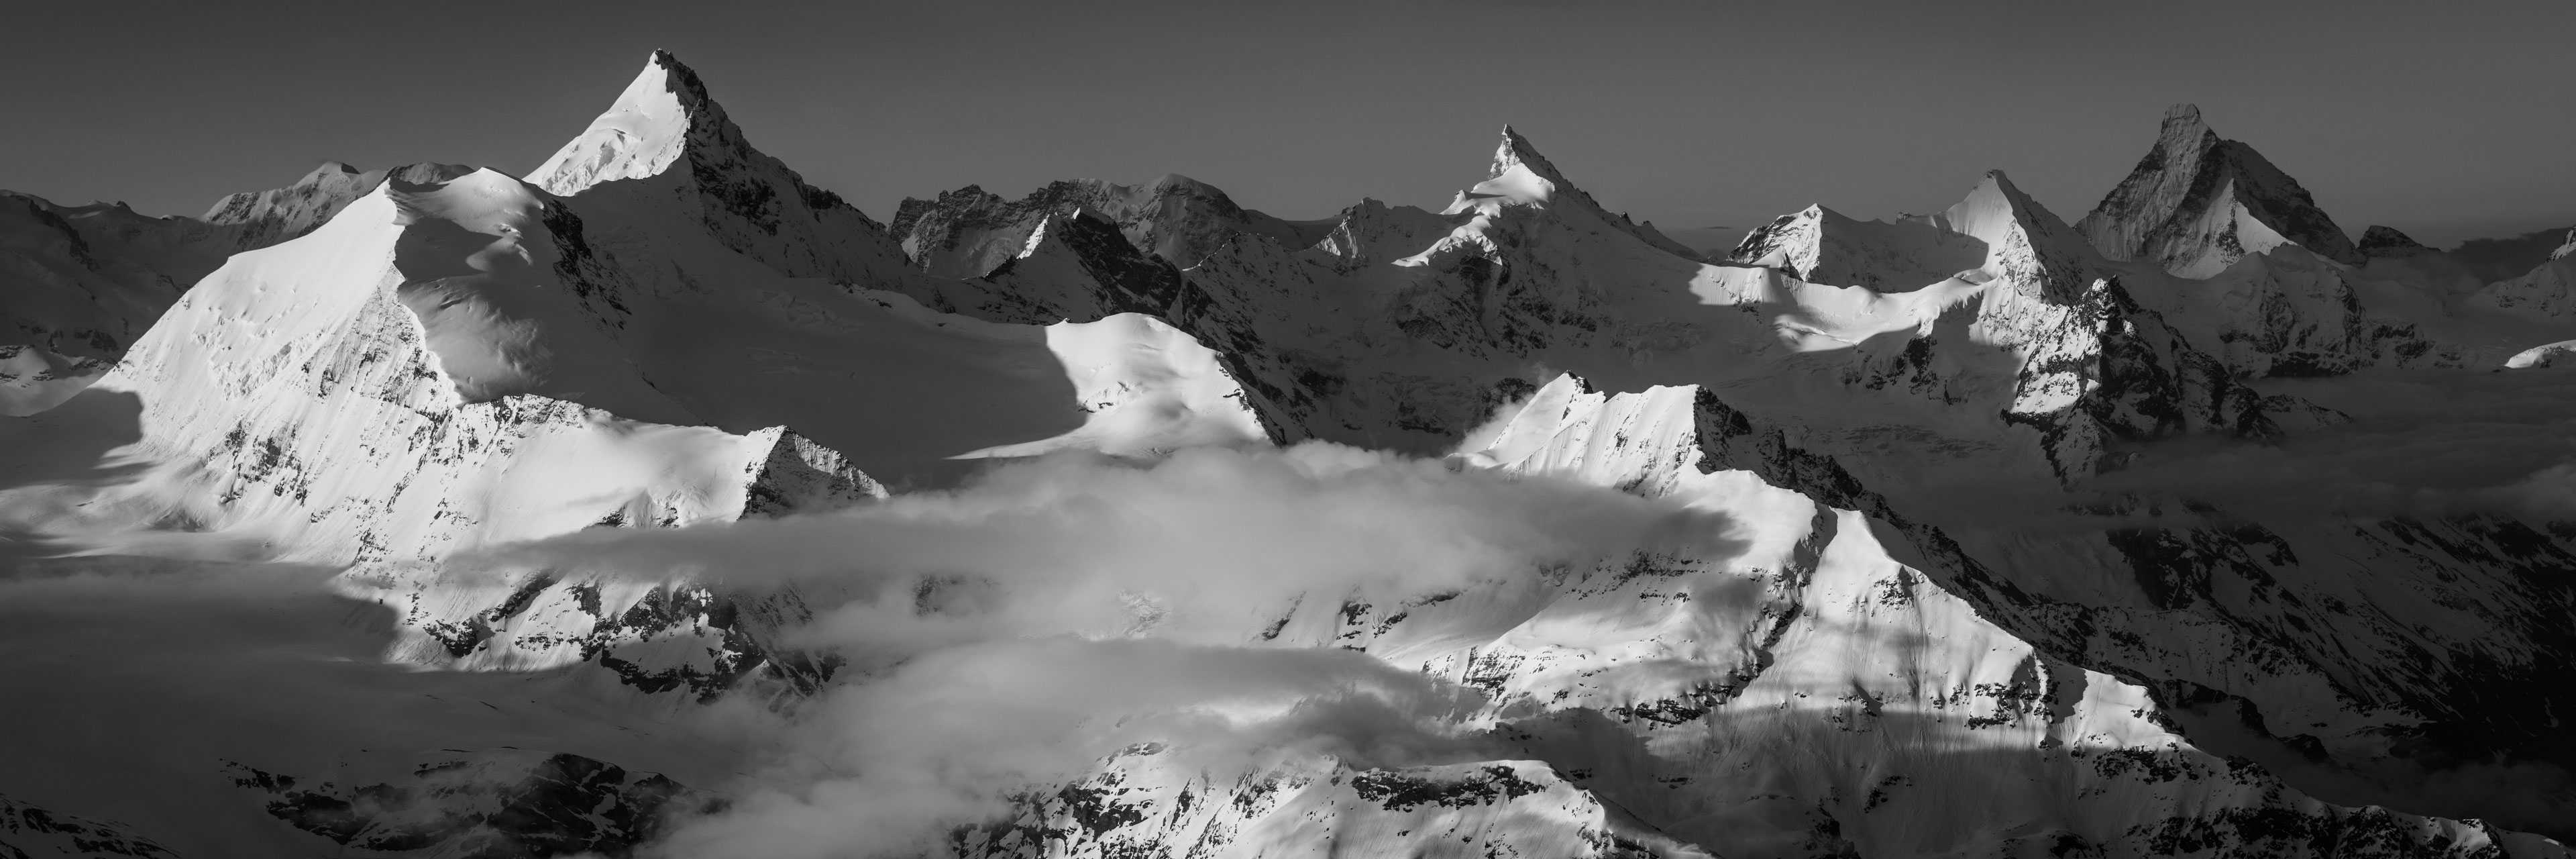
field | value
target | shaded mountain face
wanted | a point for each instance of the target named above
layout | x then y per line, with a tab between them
631	513
968	232
2381	241
2497	259
666	147
1823	246
2196	203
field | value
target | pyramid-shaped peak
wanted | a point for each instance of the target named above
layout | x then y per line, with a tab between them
1995	205
668	137
2184	134
1997	182
2196	203
653	123
2006	202
2384	241
1516	151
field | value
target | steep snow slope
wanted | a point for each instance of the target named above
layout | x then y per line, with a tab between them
2197	202
2017	549
85	281
1804	693
692	255
666	146
2042	369
297	405
267	217
507	368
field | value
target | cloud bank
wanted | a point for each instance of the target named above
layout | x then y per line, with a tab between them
1011	633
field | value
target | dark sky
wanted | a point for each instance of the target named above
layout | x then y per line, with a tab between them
2445	120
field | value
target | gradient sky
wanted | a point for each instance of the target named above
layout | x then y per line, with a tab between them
2446	120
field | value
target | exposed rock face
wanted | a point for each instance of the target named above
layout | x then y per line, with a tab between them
29	832
1070	266
2197	203
2381	241
2288	312
507	367
2039	334
667	148
487	805
267	217
1820	245
1663	701
254	420
969	232
1862	658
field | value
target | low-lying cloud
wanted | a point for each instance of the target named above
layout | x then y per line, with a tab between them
1010	634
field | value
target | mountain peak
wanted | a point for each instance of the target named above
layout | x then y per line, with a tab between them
2184	116
677	78
1516	151
2386	241
649	127
2023	239
664	127
1520	175
1996	182
2198	202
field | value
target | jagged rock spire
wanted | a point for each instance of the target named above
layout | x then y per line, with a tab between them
2197	202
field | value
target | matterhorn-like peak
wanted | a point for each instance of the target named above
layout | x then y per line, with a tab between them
2024	240
2198	202
640	135
665	139
1516	151
1995	207
2184	126
1519	175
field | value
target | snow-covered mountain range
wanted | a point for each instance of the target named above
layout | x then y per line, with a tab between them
661	503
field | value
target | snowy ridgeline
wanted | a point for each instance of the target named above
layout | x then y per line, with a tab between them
661	501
